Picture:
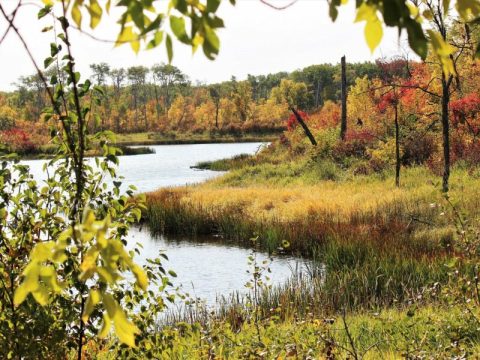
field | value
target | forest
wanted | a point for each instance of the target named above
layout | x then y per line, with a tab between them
362	182
163	100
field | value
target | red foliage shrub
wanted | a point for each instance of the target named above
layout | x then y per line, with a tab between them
465	110
355	144
464	149
17	140
327	117
292	120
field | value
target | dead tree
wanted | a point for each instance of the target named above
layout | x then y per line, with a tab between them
304	126
343	125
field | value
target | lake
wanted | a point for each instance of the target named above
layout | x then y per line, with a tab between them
205	268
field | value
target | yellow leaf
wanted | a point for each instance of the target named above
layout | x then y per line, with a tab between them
20	294
135	45
468	9
49	276
93	299
95	12
42	251
125	36
427	14
124	328
373	33
106	275
77	14
443	51
373	28
106	325
141	277
41	295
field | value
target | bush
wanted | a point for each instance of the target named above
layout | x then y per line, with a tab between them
17	141
355	144
418	148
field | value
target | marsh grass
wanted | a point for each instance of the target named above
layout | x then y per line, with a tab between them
380	246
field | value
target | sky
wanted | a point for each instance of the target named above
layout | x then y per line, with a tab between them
256	40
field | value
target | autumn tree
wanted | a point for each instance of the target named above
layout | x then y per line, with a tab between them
167	76
295	95
215	95
117	77
137	76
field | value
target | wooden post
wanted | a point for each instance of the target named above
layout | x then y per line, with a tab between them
343	125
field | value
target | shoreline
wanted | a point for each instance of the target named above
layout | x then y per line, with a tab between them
197	141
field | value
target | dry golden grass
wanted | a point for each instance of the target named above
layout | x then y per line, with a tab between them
338	199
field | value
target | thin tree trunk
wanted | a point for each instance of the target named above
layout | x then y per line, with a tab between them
216	114
446	131
317	94
343	125
397	148
157	102
304	126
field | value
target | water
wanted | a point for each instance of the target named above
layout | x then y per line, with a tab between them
170	165
205	268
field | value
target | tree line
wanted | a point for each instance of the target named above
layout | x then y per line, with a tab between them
163	98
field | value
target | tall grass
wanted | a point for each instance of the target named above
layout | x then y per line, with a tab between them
308	216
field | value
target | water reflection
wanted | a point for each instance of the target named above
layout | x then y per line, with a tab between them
209	267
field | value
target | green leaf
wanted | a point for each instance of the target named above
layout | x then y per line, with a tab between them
211	44
157	40
212	5
169	46
44	11
47	62
177	24
416	38
332	10
446	6
477	53
54	49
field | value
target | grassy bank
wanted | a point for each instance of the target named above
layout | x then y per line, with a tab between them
432	333
385	255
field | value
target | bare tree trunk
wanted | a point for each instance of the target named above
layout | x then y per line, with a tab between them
157	103
317	94
343	125
304	126
397	148
446	130
216	114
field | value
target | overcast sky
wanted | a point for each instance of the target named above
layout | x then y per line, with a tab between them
257	40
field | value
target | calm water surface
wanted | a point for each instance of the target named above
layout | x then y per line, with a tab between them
207	268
